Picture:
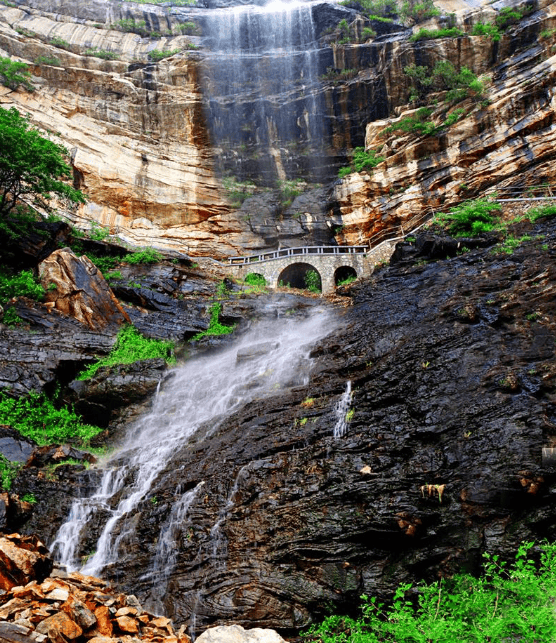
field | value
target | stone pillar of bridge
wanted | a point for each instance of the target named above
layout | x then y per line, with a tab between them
327	281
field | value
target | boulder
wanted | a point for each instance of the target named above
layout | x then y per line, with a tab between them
237	634
22	559
76	287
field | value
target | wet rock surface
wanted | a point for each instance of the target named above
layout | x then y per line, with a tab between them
451	363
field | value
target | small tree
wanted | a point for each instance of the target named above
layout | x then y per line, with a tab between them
13	74
30	164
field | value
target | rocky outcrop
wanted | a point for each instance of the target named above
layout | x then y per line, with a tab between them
76	288
67	606
236	634
451	364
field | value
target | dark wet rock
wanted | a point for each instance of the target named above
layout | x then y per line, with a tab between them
13	446
454	398
100	399
27	250
55	454
252	352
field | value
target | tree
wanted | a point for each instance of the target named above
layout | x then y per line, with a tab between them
13	74
30	164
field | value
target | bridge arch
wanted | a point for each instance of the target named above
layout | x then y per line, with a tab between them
344	272
295	275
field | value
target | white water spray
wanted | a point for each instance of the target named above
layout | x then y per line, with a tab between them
201	394
342	410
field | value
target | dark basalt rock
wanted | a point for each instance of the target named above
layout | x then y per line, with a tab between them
13	446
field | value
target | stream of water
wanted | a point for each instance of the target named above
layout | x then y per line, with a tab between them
270	357
261	85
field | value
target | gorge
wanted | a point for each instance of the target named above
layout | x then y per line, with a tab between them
327	447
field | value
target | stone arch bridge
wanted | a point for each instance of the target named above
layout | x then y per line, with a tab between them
332	263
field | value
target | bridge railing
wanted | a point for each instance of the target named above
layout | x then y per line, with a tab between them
522	193
302	250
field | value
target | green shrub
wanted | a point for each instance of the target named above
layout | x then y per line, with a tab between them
158	55
254	279
539	213
51	61
373	8
472	217
8	472
426	34
238	191
415	11
507	603
510	16
347	281
146	256
38	418
13	74
215	327
103	263
367	33
489	30
289	190
30	498
131	347
362	160
131	25
344	171
189	28
312	281
23	284
101	53
416	124
458	84
60	43
338	74
98	232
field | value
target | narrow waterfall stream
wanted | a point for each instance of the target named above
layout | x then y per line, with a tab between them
272	356
261	86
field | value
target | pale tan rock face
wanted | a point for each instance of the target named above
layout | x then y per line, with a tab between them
506	142
136	132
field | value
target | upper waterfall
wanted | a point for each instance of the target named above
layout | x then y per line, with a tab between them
261	83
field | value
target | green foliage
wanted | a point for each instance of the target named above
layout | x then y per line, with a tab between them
98	232
367	33
454	117
146	256
335	75
510	16
11	318
131	25
539	213
312	281
254	279
362	161
427	34
103	263
8	472
51	61
238	191
22	284
485	29
37	417
373	8
60	43
417	123
101	53
158	55
131	347
507	603
215	327
13	74
30	164
511	243
347	280
472	217
30	498
414	11
289	189
189	28
458	84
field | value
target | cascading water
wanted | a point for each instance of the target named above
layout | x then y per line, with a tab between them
342	410
262	86
200	394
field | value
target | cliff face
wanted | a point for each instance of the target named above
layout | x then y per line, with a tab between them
143	135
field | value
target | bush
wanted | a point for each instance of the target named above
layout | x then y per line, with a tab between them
188	28
131	25
361	161
23	284
312	281
131	347
51	61
472	217
489	30
415	11
289	190
425	34
416	124
458	84
13	74
146	256
539	213
101	53
60	43
254	279
37	417
215	327
158	55
507	603
8	472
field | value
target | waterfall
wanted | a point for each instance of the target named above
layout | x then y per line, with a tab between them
262	87
342	410
200	394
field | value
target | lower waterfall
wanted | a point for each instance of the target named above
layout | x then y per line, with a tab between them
272	356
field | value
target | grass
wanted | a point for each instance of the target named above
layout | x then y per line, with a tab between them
146	256
158	55
215	327
427	34
254	279
507	603
471	217
39	418
8	472
131	347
